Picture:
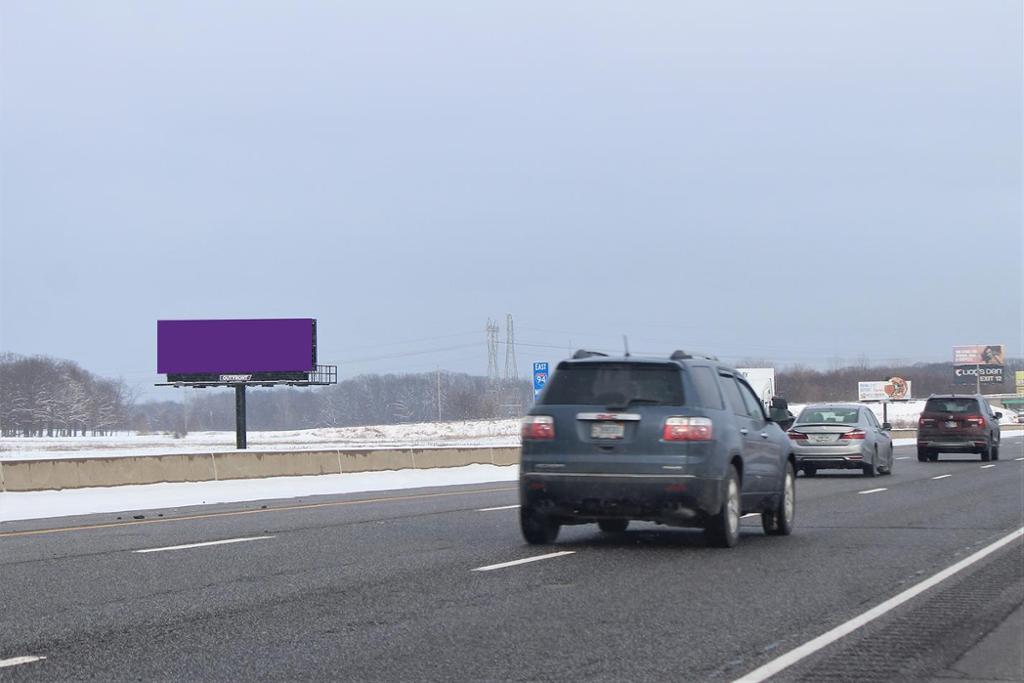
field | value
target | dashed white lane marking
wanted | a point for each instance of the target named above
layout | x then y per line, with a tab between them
503	507
942	476
810	647
751	514
513	563
203	545
903	457
1018	459
872	491
985	467
15	661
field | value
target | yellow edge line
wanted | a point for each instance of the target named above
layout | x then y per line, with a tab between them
235	513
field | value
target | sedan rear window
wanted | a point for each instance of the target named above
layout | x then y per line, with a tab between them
615	385
951	405
828	416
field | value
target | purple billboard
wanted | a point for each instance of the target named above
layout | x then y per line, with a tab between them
215	347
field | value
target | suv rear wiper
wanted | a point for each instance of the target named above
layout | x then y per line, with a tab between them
635	399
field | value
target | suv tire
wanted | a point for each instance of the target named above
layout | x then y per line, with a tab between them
537	529
810	471
986	452
723	528
933	456
995	452
613	526
922	454
779	522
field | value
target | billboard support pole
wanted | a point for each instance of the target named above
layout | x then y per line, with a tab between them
977	379
240	416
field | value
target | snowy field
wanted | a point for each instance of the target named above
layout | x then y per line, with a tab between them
494	433
421	435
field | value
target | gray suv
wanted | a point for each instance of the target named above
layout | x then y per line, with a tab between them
682	441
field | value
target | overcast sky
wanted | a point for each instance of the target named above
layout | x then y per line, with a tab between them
802	182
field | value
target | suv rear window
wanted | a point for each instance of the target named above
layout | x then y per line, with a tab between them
951	405
615	385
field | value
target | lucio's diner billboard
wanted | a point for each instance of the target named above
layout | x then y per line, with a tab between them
978	363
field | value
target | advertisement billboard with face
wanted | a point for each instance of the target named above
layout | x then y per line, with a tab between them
978	364
979	354
216	347
894	389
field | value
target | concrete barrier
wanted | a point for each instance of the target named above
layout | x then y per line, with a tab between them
70	473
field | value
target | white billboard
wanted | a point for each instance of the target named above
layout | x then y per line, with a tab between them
762	381
894	389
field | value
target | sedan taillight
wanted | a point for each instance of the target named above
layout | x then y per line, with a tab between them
687	429
855	434
538	427
797	436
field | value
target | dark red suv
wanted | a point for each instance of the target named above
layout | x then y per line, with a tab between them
952	423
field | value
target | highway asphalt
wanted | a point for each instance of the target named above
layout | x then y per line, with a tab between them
388	586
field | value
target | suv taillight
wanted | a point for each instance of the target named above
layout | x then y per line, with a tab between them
855	434
926	422
975	420
687	429
797	436
538	427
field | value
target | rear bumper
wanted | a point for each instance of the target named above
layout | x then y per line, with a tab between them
952	444
848	456
679	500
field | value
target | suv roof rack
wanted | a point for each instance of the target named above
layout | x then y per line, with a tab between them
583	353
679	354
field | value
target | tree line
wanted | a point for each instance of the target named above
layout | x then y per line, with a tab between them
41	396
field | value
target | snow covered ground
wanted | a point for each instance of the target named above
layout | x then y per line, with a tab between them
43	504
495	433
421	435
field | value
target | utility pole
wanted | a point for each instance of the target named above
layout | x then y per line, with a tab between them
439	394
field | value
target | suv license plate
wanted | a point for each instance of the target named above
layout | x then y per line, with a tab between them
951	425
607	430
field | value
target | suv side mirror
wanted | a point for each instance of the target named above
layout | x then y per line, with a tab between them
886	427
999	416
779	413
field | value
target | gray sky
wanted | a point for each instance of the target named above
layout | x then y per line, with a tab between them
794	181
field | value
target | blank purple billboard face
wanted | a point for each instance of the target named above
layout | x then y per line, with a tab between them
235	346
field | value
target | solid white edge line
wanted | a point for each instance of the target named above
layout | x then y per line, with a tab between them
872	490
503	507
942	476
810	647
15	661
203	545
985	467
513	563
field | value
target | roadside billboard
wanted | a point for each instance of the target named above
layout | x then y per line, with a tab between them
762	381
978	364
893	389
979	354
211	348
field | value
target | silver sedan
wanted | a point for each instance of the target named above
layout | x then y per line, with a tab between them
841	436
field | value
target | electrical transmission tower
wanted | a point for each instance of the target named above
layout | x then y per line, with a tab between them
512	400
510	350
492	352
